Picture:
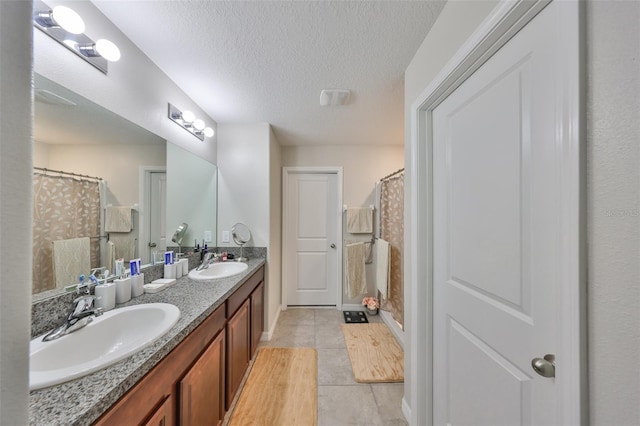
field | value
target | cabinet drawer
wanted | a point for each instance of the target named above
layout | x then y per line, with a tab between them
240	295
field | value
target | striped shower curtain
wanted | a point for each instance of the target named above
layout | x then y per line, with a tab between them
392	230
63	208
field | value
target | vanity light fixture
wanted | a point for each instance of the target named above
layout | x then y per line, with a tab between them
187	120
63	17
102	47
67	28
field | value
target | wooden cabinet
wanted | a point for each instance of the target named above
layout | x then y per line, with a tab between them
163	416
257	317
202	389
196	382
238	356
159	392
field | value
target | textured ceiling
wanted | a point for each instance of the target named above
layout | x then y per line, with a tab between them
267	61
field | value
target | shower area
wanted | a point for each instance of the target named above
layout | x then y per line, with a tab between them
373	243
75	230
388	261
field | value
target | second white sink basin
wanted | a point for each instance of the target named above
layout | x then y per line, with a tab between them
218	270
110	338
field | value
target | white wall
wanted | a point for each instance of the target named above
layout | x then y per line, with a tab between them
613	193
457	20
613	211
243	180
122	179
248	192
191	195
134	88
15	209
274	295
362	167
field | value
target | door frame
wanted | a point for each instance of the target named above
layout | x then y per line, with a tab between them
286	172
145	204
507	18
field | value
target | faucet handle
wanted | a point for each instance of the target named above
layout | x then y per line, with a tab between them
82	304
84	298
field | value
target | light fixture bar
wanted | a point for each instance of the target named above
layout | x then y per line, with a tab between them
74	42
187	121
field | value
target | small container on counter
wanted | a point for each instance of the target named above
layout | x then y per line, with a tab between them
105	296
123	289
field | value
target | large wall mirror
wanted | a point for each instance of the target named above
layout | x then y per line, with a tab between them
135	190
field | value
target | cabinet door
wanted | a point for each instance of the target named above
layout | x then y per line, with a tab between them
238	341
163	416
257	317
202	388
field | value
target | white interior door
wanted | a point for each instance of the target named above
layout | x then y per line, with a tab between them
157	213
498	235
311	261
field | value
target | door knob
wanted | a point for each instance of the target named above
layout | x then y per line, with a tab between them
333	246
546	367
152	244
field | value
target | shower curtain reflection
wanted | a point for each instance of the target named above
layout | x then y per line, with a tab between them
392	230
63	208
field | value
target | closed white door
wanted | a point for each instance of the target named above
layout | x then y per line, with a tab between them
498	236
157	213
311	231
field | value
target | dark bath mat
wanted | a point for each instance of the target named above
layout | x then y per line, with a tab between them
355	317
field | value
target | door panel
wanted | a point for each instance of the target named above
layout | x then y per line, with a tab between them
157	213
311	260
498	383
496	236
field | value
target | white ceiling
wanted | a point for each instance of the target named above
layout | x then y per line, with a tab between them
267	61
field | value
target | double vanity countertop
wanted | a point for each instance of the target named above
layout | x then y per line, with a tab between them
82	401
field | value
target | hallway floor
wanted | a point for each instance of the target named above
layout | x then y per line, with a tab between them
341	400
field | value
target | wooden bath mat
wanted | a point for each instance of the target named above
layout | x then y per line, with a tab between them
282	389
375	355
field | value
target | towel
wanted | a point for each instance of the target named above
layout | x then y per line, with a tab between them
110	259
71	258
360	220
368	249
125	246
117	219
383	260
356	279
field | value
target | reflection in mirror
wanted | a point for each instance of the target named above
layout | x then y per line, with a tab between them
117	209
192	190
241	236
178	236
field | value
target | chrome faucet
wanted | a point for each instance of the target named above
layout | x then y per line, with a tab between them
81	314
206	260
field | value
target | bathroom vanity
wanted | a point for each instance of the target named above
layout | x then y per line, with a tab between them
189	376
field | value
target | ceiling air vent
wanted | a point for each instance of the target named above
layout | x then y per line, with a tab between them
334	97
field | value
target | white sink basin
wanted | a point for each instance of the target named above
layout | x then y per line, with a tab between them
109	338
219	270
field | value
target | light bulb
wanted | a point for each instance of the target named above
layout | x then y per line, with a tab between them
208	132
68	19
108	50
198	124
188	116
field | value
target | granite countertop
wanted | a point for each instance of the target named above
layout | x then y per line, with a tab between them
82	401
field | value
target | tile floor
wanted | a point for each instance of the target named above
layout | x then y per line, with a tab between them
341	400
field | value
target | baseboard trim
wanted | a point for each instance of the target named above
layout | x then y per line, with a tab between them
267	335
406	410
397	332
